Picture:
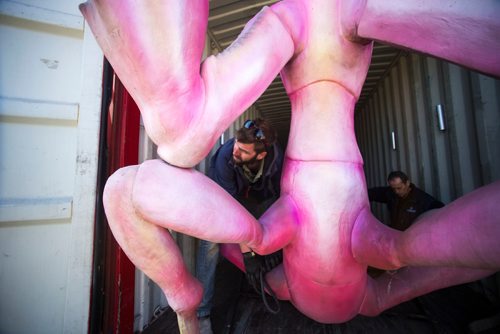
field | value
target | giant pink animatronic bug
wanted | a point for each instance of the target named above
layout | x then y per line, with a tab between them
322	220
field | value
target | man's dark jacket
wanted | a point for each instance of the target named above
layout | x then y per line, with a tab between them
230	176
404	211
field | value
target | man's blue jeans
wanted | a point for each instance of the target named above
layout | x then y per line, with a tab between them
206	263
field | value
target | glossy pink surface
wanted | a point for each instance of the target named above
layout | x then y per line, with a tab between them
322	220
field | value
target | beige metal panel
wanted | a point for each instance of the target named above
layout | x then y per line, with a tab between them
384	151
459	116
81	239
377	123
361	137
370	144
392	131
486	97
395	81
371	167
368	157
423	141
446	163
407	110
33	282
443	188
381	143
384	140
371	159
50	88
53	12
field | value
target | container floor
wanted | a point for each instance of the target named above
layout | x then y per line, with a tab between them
237	309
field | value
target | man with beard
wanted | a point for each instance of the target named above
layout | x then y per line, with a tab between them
248	167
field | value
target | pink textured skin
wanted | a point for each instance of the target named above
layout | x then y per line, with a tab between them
322	220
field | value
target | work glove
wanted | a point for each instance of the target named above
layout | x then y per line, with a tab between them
272	260
253	267
256	266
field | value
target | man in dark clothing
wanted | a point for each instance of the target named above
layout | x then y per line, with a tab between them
404	200
249	168
254	183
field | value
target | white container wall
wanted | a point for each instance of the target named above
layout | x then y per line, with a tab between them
50	95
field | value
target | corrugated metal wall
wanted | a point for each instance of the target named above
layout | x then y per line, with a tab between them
446	163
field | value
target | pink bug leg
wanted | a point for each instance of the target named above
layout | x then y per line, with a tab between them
276	279
445	247
156	47
170	197
440	28
151	249
373	243
142	202
462	234
393	288
279	226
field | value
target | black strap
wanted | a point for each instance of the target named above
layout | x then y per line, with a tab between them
263	286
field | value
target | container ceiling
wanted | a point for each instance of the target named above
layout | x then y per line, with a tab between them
226	20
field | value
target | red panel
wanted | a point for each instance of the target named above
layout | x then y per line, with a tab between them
123	150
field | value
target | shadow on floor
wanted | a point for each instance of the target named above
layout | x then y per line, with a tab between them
237	309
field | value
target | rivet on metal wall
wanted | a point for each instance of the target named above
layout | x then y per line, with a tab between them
393	139
440	115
